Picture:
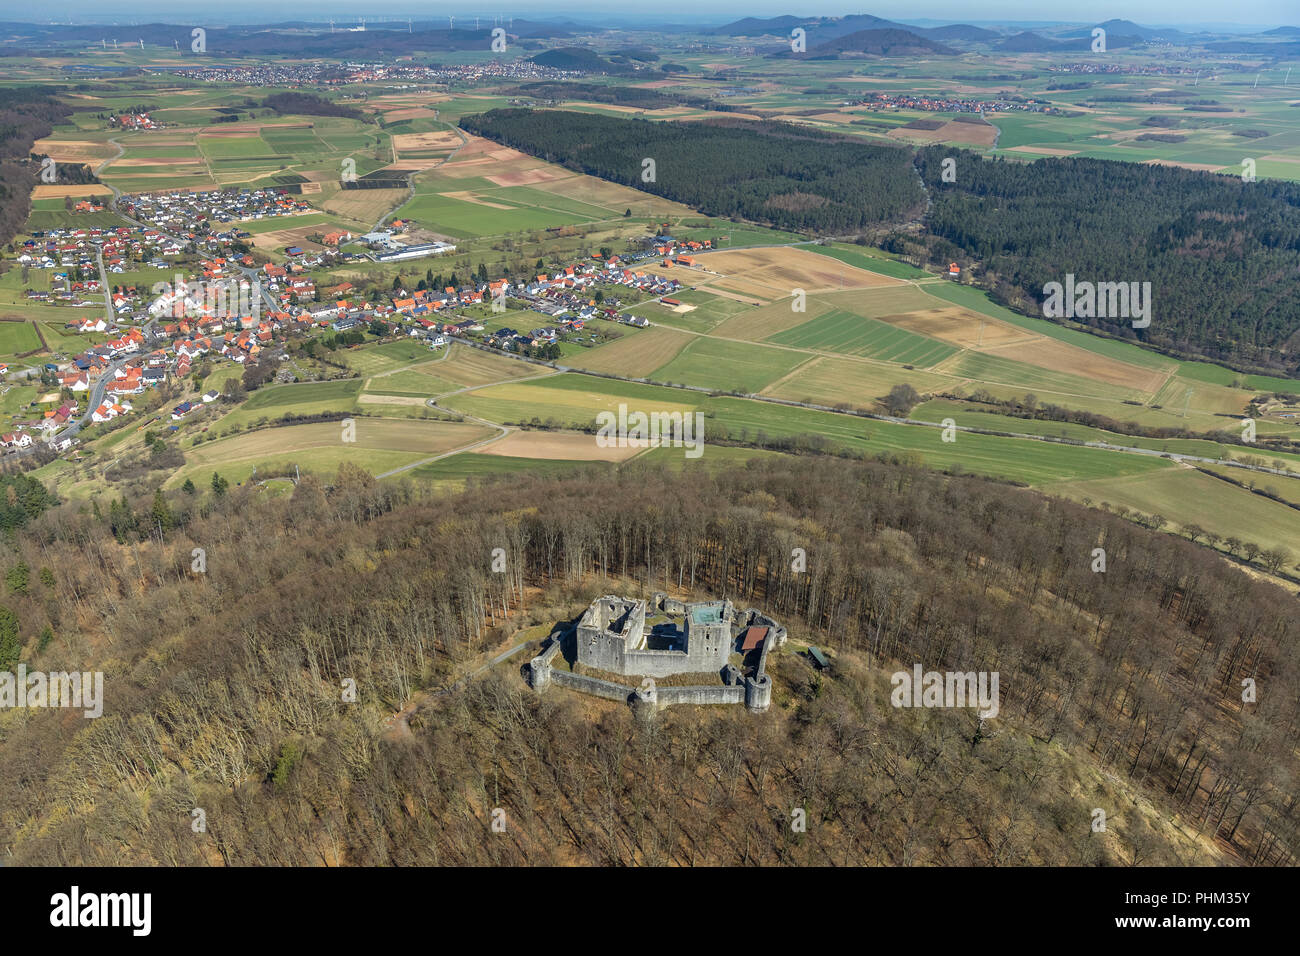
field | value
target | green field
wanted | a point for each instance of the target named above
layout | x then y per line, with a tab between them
273	401
841	331
17	337
1186	497
471	465
729	366
375	359
872	261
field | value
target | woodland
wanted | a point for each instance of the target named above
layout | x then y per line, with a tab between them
1121	690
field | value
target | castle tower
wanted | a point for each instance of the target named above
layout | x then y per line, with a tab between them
758	694
645	699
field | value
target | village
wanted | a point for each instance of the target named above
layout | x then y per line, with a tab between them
227	308
318	73
941	104
197	211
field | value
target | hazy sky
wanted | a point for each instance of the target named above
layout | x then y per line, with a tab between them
1148	12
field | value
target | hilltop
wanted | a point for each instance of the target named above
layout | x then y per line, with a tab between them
1118	691
882	43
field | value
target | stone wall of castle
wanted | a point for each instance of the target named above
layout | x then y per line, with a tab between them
592	685
700	695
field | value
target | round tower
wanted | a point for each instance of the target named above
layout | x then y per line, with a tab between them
540	670
645	699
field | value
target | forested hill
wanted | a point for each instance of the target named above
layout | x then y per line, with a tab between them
1222	255
26	115
882	43
308	104
787	176
1118	690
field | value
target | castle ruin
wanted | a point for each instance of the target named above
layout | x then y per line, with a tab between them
663	637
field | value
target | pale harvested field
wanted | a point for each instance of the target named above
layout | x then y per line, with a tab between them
59	192
310	189
191	188
196	187
757	324
167	141
562	446
612	107
368	399
376	433
747	298
874	303
508	167
472	367
378	103
785	268
241	130
530	177
414	112
1043	150
713	114
443	139
291	237
611	195
157	161
1200	167
1060	357
975	134
363	205
961	327
636	354
73	150
742	289
481	164
416	163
